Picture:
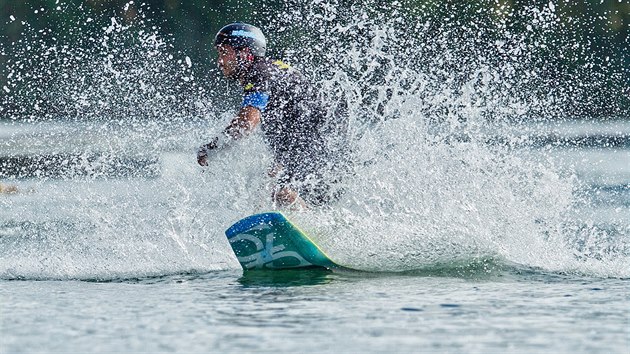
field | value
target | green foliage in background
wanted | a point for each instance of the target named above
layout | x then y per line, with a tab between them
602	26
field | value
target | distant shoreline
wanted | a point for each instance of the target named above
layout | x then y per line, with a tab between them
8	189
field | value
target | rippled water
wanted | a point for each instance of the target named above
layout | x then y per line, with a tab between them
316	311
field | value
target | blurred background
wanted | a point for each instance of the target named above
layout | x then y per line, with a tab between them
585	41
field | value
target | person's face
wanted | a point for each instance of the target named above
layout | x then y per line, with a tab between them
227	60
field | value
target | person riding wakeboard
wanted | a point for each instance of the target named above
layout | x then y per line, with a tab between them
308	150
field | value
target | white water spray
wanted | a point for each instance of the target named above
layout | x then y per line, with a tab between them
429	186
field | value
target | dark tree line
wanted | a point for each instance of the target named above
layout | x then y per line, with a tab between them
599	26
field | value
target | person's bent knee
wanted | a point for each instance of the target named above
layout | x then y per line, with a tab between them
285	196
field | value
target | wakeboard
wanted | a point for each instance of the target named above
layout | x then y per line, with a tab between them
271	241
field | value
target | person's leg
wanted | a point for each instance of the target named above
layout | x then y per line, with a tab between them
284	194
286	197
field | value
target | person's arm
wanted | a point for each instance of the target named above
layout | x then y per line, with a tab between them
244	123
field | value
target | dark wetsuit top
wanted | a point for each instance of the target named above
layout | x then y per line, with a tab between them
295	127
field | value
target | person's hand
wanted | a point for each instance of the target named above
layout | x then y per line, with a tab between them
202	152
202	156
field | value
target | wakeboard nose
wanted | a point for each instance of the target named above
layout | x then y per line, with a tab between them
271	241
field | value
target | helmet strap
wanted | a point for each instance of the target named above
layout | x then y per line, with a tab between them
244	60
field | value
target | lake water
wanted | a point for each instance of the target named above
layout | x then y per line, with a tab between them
319	312
95	262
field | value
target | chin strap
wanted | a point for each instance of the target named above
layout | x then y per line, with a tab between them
244	62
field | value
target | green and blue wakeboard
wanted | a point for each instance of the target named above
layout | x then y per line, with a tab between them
271	241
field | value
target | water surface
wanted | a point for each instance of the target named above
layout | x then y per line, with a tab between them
513	311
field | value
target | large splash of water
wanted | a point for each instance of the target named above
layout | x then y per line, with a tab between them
430	184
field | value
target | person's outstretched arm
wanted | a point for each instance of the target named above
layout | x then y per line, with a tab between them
244	123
